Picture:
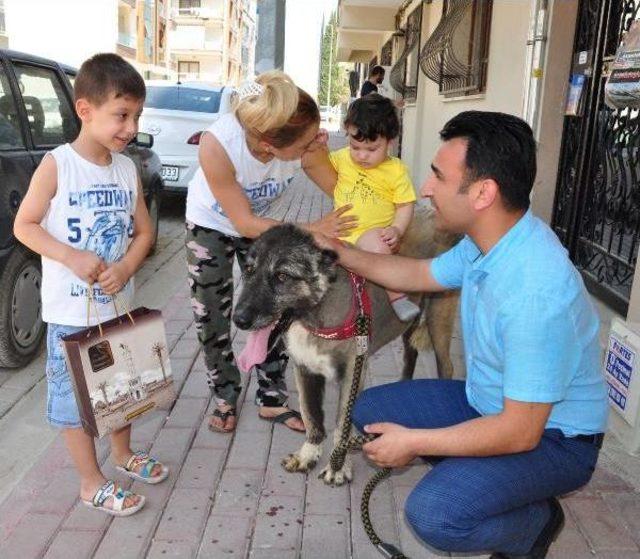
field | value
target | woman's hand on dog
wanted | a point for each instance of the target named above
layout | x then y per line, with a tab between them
335	224
392	448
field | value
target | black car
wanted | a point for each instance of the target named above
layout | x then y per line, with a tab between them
37	115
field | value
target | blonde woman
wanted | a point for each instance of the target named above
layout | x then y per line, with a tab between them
247	160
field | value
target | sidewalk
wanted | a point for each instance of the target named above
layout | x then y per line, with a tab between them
227	495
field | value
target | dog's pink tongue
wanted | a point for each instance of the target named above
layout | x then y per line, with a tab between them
256	348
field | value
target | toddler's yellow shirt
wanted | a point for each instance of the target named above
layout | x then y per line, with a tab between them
373	192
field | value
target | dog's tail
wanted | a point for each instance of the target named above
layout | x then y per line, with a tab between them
420	338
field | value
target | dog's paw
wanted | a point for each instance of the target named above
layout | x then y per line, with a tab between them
303	460
337	477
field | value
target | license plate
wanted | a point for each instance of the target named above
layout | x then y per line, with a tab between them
170	173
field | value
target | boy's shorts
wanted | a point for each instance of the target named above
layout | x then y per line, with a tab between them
62	410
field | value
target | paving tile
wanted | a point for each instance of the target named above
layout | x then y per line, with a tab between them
185	349
195	386
73	543
238	492
30	537
187	412
83	519
166	550
249	450
60	495
602	529
278	523
626	507
184	516
326	536
201	469
226	536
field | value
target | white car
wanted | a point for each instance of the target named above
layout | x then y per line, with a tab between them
176	115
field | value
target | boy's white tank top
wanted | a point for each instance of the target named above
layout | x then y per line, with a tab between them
92	210
262	183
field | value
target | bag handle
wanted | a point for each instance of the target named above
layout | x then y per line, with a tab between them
91	301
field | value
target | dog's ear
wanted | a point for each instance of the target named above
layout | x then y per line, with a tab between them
328	263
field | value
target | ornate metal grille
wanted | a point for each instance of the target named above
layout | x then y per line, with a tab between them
404	74
597	206
456	54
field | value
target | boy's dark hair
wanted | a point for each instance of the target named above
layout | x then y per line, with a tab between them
107	73
373	115
376	71
500	147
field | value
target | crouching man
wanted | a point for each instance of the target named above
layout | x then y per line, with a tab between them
527	424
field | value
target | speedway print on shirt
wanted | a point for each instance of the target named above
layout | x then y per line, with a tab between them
260	195
107	230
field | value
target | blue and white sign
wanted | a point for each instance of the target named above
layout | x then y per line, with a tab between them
619	372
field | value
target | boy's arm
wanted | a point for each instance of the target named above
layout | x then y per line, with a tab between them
27	229
317	166
117	274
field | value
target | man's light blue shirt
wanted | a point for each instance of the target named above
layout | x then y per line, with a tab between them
530	330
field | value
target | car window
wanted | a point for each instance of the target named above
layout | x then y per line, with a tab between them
72	78
50	116
10	136
183	99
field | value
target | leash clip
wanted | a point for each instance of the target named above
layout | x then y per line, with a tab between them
362	345
389	550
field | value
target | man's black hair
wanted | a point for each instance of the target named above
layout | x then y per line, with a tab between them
373	116
499	147
376	71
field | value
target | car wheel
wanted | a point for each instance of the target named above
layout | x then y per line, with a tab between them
153	205
21	325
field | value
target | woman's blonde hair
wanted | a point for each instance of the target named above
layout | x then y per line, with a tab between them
280	114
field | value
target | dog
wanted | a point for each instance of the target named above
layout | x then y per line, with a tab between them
292	285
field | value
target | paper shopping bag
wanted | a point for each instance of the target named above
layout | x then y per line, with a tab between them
120	370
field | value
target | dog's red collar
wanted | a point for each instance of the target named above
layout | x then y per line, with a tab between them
360	303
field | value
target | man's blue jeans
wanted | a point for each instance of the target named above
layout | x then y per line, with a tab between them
487	504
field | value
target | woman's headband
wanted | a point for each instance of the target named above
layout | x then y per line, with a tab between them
249	89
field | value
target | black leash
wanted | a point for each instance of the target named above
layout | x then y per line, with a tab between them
346	443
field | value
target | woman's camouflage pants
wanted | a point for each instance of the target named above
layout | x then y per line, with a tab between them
210	267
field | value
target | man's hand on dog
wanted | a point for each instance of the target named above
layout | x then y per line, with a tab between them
335	224
392	448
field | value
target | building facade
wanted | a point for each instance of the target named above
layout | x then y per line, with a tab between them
135	29
213	40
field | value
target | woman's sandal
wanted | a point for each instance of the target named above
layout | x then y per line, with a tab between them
119	495
223	416
283	418
140	467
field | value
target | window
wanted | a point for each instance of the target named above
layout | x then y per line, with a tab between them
456	54
188	4
50	116
10	135
183	99
188	70
404	74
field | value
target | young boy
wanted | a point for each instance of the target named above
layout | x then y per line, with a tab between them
85	214
377	185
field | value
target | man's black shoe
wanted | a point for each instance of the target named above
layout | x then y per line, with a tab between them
550	532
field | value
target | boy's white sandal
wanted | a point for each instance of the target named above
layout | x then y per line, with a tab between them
144	474
109	489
